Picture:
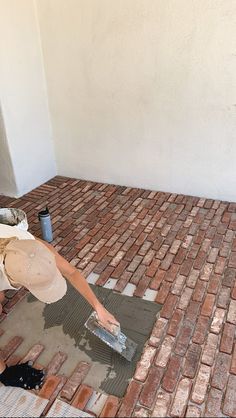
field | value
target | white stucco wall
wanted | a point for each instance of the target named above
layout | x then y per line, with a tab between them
24	99
7	177
143	92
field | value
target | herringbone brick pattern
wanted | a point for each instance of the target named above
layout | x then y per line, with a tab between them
181	248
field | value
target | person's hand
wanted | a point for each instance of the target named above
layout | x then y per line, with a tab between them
106	319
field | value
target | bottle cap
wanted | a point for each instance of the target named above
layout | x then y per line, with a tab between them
43	213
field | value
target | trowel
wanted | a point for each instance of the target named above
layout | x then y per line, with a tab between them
114	337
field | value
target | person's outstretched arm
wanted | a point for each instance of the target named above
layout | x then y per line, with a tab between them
79	283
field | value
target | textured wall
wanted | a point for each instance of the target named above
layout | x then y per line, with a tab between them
143	92
24	100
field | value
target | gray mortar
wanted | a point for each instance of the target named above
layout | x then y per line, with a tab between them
60	326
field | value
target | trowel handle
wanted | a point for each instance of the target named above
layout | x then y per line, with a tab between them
114	329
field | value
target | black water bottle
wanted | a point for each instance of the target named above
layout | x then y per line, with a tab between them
46	225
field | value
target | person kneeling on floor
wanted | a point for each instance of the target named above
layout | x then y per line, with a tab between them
30	262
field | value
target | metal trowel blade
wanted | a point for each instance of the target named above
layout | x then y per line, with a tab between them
118	342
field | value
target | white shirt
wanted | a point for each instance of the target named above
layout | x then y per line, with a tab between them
7	231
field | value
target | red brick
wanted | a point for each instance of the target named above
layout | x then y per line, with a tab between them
231	317
175	246
10	347
206	272
183	338
180	402
49	386
17	298
152	269
157	280
104	276
221	370
131	252
212	255
110	408
227	338
122	282
217	321
82	397
187	240
201	384
193	252
100	254
223	297
142	286
232	260
213	404
75	380
135	263
229	407
192	312
192	279
162	252
127	244
166	263
145	247
175	322
151	386
208	305
185	298
144	363
192	360
193	412
229	277
85	240
172	373
13	360
85	250
158	332
209	351
200	260
99	268
56	363
199	291
233	294
169	305
54	394
201	330
186	267
165	351
178	285
140	412
88	269
180	256
217	241
162	404
137	275
220	265
119	269
225	249
33	353
130	399
214	284
172	273
233	363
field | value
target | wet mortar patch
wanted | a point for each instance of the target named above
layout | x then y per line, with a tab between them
61	325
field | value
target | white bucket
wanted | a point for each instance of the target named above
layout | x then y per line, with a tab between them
14	217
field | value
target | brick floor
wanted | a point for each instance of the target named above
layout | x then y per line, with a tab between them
184	249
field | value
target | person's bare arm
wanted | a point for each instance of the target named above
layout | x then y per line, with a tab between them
80	284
